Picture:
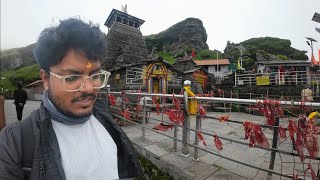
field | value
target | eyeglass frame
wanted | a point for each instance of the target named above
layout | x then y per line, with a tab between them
83	81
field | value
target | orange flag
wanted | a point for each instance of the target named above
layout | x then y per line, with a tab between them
319	56
193	53
313	60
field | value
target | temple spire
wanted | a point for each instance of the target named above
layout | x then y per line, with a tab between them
124	8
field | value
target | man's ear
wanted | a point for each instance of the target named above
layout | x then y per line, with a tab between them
45	78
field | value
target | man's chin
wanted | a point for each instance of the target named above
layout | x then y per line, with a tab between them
80	113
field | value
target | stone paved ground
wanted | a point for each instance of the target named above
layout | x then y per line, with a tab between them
211	166
158	148
10	109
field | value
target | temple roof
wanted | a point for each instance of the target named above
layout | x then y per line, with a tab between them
210	62
121	14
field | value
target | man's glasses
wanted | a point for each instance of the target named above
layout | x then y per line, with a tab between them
75	82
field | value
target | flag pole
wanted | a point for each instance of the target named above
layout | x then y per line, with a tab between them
319	58
217	63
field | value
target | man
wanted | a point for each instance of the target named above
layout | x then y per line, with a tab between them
307	94
20	98
74	134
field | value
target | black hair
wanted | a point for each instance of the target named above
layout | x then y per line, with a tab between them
70	34
19	85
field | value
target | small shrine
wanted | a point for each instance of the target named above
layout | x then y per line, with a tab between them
151	75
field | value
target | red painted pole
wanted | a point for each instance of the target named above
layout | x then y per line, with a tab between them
2	117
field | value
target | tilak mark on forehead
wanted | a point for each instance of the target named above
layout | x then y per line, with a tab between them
88	65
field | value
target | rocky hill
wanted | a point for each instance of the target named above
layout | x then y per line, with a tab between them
170	44
263	49
178	38
182	36
17	57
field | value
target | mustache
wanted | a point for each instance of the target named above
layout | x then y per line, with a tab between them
84	96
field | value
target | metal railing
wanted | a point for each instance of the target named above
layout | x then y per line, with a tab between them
277	78
186	129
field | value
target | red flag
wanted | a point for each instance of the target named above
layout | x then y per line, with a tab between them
217	142
163	127
282	132
193	53
158	108
201	138
319	56
313	60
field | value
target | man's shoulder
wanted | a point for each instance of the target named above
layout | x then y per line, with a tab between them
10	130
13	125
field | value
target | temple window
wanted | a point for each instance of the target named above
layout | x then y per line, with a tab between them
125	21
119	19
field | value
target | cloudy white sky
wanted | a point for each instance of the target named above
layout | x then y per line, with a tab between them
234	20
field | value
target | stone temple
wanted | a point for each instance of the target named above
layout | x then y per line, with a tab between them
132	66
126	45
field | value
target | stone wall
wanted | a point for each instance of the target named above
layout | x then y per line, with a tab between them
126	45
184	65
120	84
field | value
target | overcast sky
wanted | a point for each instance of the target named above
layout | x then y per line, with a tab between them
234	20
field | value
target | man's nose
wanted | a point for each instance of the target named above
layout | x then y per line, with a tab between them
87	86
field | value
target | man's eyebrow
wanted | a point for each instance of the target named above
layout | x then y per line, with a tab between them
95	70
71	71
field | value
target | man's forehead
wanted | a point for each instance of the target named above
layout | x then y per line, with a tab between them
77	57
78	68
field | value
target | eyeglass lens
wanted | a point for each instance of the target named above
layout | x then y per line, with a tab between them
74	82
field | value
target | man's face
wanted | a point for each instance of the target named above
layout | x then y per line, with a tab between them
74	104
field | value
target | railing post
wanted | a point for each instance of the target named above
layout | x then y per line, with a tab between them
185	131
235	79
224	104
108	89
308	78
279	77
162	114
123	105
250	104
144	117
196	140
274	146
231	96
175	134
237	105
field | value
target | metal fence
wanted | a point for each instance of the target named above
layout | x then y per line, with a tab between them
146	114
277	78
